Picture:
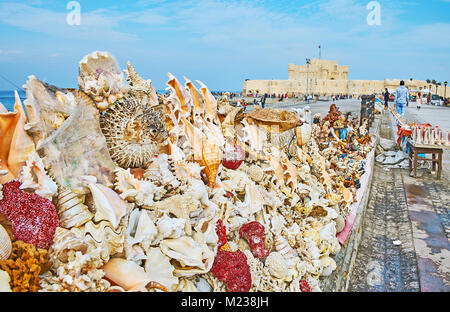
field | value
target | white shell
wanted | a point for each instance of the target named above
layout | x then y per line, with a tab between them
34	177
159	269
277	265
4	282
5	244
71	210
109	206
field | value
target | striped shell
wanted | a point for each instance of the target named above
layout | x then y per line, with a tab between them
71	210
5	244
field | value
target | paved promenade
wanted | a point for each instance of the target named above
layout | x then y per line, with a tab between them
405	234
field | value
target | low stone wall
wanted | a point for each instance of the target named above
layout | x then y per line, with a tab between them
338	281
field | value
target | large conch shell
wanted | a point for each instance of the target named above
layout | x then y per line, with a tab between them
275	120
210	102
34	177
211	159
15	144
303	133
100	77
128	275
71	210
5	244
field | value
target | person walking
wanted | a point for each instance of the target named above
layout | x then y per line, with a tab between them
401	99
419	100
263	100
386	98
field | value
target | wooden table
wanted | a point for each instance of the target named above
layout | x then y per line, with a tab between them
435	150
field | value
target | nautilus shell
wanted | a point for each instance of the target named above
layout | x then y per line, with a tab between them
132	133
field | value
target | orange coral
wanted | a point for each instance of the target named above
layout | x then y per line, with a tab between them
24	266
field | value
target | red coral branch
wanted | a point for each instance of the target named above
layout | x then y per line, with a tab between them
253	233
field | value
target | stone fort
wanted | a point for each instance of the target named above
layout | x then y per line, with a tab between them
325	78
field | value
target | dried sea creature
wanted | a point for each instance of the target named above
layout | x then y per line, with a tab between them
99	77
72	211
133	132
275	120
5	244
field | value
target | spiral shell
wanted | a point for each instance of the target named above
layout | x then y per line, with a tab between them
71	210
5	244
211	159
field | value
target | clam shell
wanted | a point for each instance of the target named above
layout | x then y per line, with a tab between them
5	244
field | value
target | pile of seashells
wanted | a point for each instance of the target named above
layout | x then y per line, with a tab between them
140	182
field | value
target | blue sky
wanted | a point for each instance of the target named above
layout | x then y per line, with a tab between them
222	43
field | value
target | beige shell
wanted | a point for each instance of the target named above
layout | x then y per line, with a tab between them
5	244
211	159
303	133
126	274
34	177
65	240
100	77
159	269
71	210
4	282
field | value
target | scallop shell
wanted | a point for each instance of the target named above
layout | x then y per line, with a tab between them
100	77
34	177
5	244
71	210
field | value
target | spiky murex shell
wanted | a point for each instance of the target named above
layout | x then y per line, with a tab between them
132	133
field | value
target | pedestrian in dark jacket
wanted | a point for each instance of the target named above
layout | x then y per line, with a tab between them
386	99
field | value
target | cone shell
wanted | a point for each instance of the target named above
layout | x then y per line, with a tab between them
71	210
5	244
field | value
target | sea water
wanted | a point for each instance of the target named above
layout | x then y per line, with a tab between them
7	99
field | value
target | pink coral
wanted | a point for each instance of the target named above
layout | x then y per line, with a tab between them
34	219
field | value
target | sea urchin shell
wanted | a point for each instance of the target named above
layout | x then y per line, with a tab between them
132	133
